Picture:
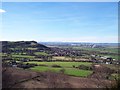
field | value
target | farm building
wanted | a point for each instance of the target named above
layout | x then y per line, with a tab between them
107	60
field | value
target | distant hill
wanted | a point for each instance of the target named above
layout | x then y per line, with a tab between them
22	44
80	44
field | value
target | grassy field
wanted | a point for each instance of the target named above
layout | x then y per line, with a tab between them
43	68
32	48
29	48
70	58
61	58
66	66
23	56
109	50
77	72
3	54
19	53
41	53
62	64
116	57
67	71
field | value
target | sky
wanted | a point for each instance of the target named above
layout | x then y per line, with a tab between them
60	21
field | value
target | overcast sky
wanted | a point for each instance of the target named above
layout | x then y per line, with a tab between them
71	22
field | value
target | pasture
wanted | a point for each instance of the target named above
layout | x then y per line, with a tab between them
61	58
107	50
3	54
62	64
23	56
32	48
66	67
41	53
67	71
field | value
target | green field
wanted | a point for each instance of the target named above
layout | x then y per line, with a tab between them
3	54
67	71
23	56
77	72
32	48
41	53
109	50
116	57
29	48
61	58
19	53
62	64
43	68
66	66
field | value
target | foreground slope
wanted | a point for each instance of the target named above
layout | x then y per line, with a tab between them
30	79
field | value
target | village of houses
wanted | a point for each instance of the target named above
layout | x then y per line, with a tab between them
53	54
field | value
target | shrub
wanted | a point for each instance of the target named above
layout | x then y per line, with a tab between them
43	65
116	85
26	66
62	70
73	66
57	66
84	67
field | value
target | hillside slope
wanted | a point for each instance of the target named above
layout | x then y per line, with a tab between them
7	45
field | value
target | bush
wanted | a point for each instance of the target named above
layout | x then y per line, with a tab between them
26	66
115	86
57	66
62	70
43	65
85	67
73	66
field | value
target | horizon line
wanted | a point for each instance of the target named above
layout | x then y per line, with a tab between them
58	41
